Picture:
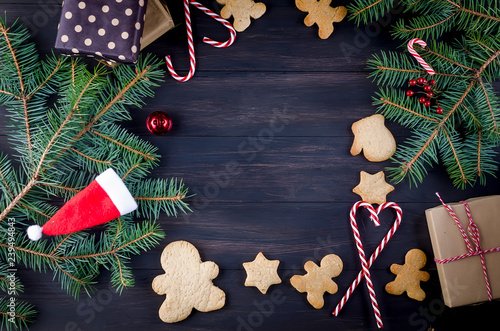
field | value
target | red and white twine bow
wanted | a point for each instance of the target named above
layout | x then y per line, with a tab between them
192	59
422	62
365	272
474	234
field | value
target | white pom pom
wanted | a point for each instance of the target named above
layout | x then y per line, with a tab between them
34	232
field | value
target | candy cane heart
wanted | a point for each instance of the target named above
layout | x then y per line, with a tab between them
365	272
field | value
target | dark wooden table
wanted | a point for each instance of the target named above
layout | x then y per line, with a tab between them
262	136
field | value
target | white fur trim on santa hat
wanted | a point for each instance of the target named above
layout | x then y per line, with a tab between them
34	232
113	185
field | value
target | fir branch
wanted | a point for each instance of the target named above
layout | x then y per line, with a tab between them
431	19
462	180
388	102
59	112
107	162
122	145
364	11
24	314
490	108
46	80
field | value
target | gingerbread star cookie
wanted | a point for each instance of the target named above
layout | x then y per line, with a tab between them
318	280
373	188
262	273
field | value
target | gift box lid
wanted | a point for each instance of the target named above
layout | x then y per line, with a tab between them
107	29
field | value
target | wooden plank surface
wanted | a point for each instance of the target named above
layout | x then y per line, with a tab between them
262	137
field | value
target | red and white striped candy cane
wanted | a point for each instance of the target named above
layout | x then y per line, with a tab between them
232	31
378	250
192	58
422	62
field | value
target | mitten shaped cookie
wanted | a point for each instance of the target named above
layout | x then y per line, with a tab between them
241	10
322	14
318	280
187	283
373	138
409	276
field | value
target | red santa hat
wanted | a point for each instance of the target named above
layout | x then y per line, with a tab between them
105	199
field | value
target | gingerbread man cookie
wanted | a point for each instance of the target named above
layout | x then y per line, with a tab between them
318	280
409	276
322	14
187	283
241	10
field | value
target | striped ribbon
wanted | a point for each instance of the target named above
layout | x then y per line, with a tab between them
422	62
474	234
192	59
365	273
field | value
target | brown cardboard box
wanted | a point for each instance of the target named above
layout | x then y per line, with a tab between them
157	21
462	281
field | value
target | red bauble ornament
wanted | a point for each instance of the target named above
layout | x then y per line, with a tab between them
439	110
421	80
432	82
422	100
159	123
410	93
412	82
427	103
430	94
427	88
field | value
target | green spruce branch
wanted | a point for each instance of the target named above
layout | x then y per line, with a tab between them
465	136
60	147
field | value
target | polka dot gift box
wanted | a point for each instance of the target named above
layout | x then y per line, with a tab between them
106	29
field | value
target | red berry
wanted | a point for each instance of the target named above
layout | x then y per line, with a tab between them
422	100
430	94
412	82
432	82
421	80
439	110
427	103
410	93
427	88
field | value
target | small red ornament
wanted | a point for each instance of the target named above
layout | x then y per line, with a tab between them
410	93
427	88
421	80
159	123
432	82
430	94
439	110
422	100
427	103
412	82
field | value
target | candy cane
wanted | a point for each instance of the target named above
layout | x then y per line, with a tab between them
192	59
232	31
378	250
424	64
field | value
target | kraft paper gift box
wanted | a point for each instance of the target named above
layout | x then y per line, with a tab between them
463	281
158	21
107	30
